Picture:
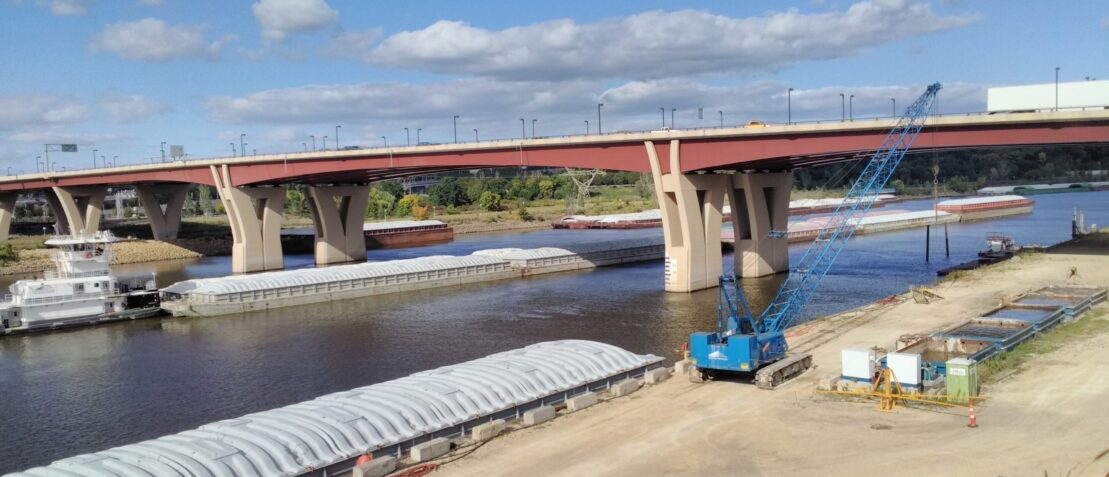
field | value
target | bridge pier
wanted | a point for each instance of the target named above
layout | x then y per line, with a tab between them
164	223
338	213
691	215
691	206
77	209
760	203
7	211
254	214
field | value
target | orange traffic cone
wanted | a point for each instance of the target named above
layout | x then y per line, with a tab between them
362	459
973	421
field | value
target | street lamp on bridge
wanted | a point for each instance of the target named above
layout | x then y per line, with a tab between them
163	151
242	145
337	137
599	117
305	144
789	106
672	110
384	143
851	108
418	135
324	143
533	128
842	108
94	157
662	111
523	129
313	142
586	127
233	153
475	135
456	129
894	101
721	117
407	138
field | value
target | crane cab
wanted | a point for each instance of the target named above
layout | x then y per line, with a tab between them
737	353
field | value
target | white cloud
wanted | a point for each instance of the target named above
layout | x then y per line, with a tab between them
151	39
66	7
368	101
281	18
356	44
131	108
659	44
57	135
38	110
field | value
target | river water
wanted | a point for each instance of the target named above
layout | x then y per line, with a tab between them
70	392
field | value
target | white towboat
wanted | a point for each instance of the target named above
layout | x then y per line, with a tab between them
80	291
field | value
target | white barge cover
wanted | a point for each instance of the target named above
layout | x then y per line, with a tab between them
285	278
324	436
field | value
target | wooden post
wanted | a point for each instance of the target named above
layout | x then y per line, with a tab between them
927	241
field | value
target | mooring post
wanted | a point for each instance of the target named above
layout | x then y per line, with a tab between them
927	241
946	243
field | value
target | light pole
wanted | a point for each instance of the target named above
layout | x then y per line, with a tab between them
324	143
523	129
305	144
842	108
233	153
103	160
418	135
789	106
851	108
163	151
721	117
114	160
337	137
533	128
586	127
894	101
407	138
1056	88
94	158
242	144
313	142
599	117
38	162
384	143
456	129
475	136
663	112
672	117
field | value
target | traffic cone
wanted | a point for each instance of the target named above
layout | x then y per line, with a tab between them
363	459
973	422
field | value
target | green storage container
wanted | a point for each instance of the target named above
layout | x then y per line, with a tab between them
962	381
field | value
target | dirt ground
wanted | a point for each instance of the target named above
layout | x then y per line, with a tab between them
1051	418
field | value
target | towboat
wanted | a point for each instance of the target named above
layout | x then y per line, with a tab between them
80	291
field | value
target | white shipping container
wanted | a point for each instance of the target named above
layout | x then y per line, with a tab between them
858	363
1073	95
905	367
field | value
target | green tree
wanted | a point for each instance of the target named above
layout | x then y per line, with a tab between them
546	188
380	203
490	201
294	201
393	188
404	205
448	192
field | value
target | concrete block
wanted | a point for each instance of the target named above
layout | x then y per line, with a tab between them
625	387
539	415
430	449
581	401
683	366
379	467
487	431
656	375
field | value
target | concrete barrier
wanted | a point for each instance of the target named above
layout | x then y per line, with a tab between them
656	375
683	366
625	387
581	401
430	449
379	467
487	431
539	415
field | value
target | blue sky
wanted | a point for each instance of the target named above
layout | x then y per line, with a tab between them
122	76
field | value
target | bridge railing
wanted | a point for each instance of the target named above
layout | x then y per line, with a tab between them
516	142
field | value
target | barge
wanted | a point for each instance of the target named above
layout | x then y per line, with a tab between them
328	435
80	291
979	208
261	291
806	230
400	233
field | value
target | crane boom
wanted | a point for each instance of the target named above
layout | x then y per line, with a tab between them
799	287
743	343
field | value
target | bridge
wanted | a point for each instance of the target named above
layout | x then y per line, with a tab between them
693	170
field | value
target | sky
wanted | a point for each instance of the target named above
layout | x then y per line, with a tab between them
123	76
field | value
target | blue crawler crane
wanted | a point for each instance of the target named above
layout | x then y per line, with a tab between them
743	343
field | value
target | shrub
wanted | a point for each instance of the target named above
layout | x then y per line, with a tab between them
490	201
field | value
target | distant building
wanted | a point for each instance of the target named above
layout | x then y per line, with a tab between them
1039	97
